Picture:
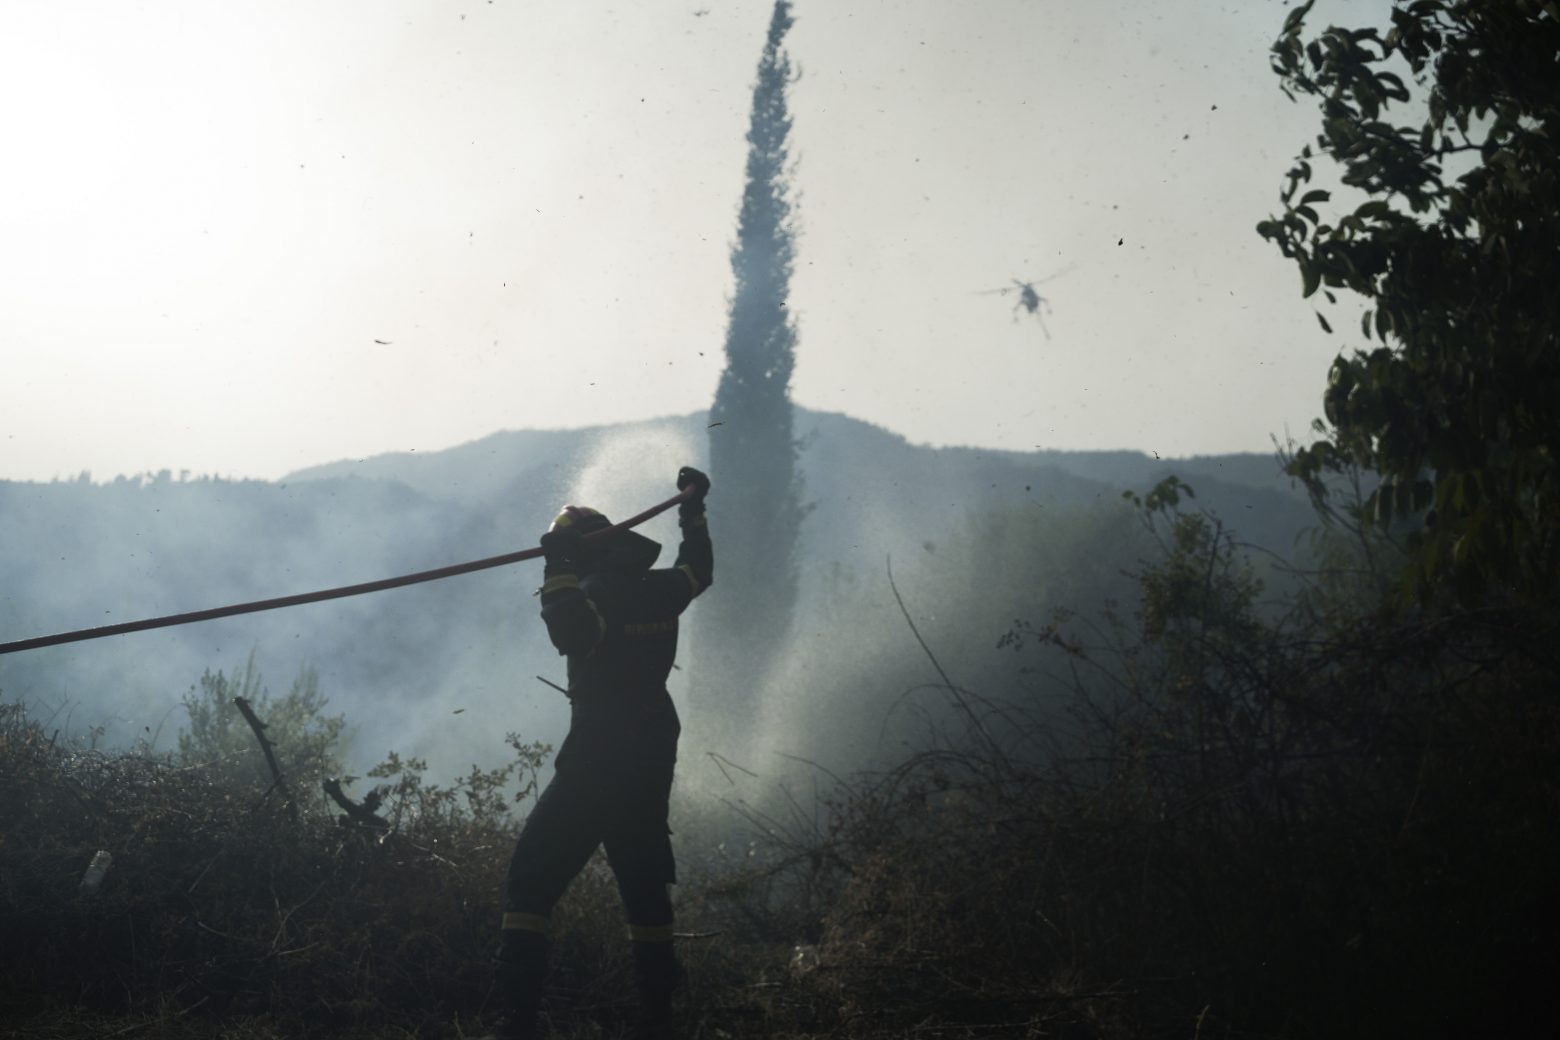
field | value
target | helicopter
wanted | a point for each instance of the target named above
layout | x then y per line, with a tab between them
1029	299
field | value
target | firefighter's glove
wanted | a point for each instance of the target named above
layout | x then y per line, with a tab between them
689	477
561	548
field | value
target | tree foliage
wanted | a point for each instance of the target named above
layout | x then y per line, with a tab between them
309	743
1455	250
753	449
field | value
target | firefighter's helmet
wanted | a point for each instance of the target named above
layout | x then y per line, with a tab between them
583	519
627	549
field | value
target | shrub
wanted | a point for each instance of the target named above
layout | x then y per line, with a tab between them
1243	820
221	898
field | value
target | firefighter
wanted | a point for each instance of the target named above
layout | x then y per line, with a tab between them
615	618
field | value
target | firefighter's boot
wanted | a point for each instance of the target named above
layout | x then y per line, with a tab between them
657	976
519	972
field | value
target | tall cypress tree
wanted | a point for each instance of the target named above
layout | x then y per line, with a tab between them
753	453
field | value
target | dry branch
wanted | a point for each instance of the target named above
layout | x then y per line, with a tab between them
270	756
363	814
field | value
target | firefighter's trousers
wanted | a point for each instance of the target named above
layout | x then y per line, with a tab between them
609	793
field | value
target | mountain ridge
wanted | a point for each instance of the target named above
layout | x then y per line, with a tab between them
74	554
1124	466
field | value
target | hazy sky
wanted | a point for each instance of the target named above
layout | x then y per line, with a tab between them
209	213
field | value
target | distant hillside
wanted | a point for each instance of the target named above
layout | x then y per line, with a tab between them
401	664
850	467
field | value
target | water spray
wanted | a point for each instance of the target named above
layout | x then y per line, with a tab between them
169	620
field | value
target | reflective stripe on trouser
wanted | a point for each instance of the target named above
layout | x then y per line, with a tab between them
516	921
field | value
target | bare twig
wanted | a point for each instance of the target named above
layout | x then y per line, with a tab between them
721	762
284	917
956	692
363	814
270	757
203	871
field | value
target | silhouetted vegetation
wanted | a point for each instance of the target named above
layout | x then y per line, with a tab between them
1450	242
1239	820
753	448
221	898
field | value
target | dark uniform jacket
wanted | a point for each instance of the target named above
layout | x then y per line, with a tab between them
617	625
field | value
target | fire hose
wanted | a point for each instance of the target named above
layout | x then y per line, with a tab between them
169	620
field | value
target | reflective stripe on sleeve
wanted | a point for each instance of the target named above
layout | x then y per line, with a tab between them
691	579
650	932
518	922
560	581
